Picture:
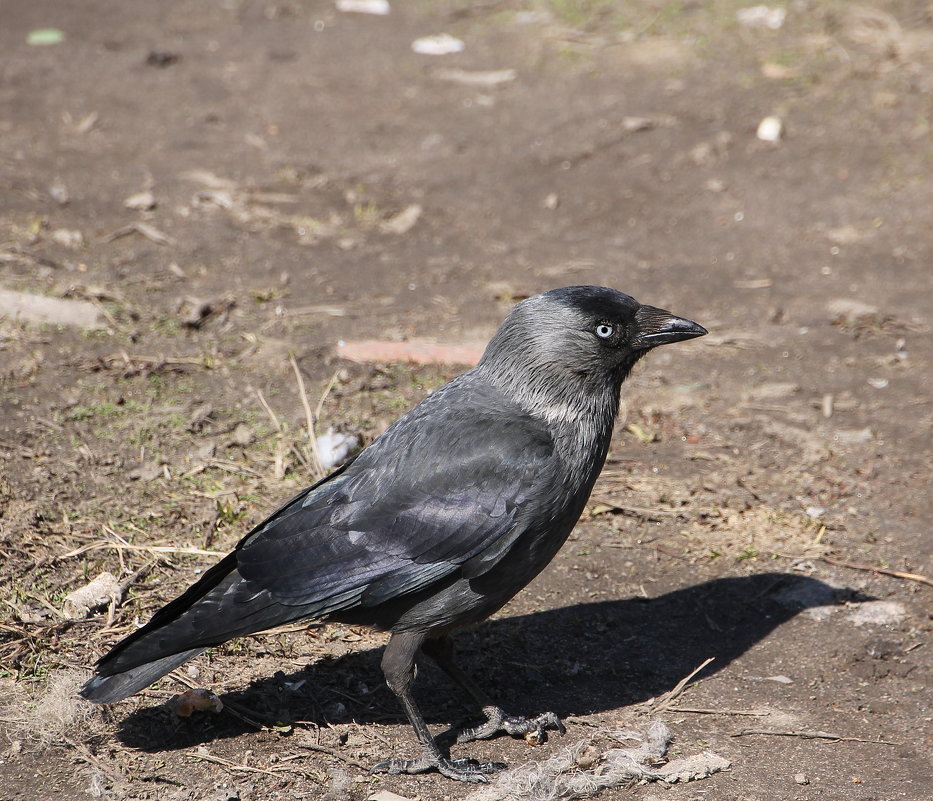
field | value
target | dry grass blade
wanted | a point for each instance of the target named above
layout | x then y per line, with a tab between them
206	757
278	470
315	458
100	545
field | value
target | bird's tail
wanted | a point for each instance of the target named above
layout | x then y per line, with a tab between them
107	689
215	609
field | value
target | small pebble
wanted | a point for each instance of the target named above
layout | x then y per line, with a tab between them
440	45
801	778
770	129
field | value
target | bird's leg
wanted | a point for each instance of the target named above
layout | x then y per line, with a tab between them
398	665
534	730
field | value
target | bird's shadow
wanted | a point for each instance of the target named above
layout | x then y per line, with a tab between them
574	660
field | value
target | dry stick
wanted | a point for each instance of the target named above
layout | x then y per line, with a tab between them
336	755
233	765
85	755
318	468
697	711
153	549
275	420
669	697
279	469
871	569
810	735
327	388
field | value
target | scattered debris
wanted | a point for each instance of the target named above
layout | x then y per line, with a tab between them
441	44
58	711
476	77
388	795
878	383
242	435
102	591
402	222
883	570
852	436
801	778
772	390
551	201
583	769
185	704
770	129
202	415
846	311
194	312
377	7
771	17
334	448
44	309
753	283
68	238
140	201
878	613
147	471
368	351
151	233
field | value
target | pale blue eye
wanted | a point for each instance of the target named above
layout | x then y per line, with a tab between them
604	330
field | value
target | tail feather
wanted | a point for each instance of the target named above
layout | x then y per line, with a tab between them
217	608
107	689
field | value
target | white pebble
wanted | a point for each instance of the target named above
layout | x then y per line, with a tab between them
440	45
770	129
379	7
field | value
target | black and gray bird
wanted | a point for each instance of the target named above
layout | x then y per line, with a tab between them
439	522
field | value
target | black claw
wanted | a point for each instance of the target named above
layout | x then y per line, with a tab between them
464	770
474	766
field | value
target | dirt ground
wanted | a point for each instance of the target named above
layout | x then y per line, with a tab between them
235	187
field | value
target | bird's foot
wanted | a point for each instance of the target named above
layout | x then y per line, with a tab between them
534	730
462	770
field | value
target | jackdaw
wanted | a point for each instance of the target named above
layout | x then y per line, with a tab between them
439	522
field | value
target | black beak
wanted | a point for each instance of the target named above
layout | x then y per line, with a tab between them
658	327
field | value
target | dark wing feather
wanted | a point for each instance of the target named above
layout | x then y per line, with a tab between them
414	506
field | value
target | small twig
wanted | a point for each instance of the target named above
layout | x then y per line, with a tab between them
85	755
327	388
662	703
233	765
105	544
134	577
697	711
323	749
317	467
810	735
275	420
278	470
885	571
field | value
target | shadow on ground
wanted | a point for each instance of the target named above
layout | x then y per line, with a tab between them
575	660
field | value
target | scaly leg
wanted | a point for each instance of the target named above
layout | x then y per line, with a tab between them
534	730
398	665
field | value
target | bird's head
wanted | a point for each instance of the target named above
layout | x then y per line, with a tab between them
578	339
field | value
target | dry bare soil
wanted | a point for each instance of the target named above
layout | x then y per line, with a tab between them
235	185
